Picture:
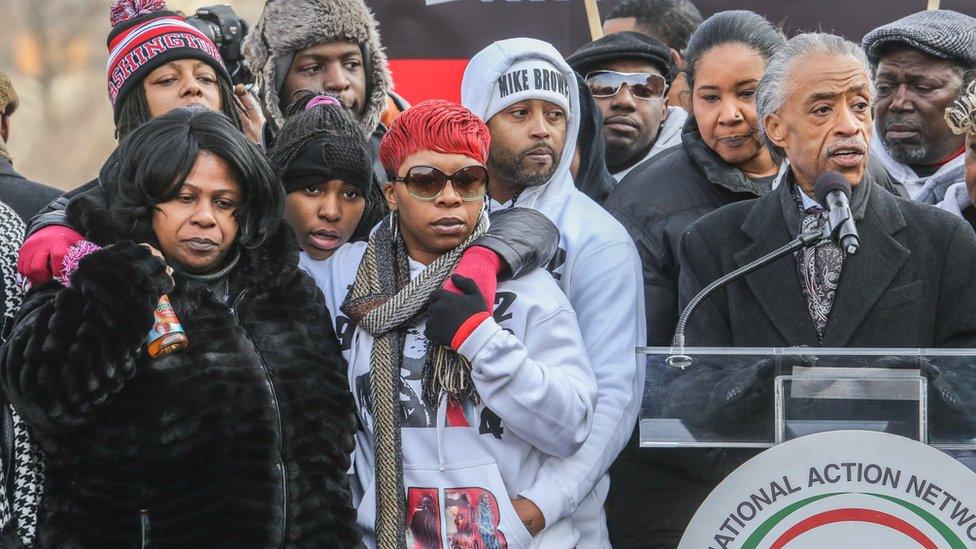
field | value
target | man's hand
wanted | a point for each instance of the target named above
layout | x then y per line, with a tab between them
252	119
530	515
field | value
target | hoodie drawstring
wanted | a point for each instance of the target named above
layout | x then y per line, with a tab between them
441	421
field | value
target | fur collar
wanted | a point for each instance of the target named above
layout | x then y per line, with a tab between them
272	264
287	26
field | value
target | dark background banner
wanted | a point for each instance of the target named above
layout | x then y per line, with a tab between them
430	41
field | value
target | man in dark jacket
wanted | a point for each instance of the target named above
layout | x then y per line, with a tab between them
20	199
24	196
629	74
919	63
910	285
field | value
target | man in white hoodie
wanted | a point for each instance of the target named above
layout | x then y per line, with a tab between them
526	93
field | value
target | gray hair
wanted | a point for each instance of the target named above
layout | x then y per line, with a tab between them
774	87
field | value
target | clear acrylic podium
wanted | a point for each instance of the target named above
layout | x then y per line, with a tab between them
760	397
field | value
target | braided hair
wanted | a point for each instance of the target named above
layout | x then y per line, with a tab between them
134	110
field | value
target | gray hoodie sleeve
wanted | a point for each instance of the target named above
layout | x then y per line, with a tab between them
523	238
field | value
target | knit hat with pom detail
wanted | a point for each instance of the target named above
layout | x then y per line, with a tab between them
145	36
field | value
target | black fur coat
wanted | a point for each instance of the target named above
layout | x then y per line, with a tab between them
241	440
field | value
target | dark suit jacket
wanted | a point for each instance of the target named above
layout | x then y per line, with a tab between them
911	284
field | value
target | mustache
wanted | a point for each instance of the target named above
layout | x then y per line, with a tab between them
850	143
535	148
905	122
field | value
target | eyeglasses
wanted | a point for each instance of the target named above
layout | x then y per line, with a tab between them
427	182
643	85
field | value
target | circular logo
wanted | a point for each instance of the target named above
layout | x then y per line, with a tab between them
842	489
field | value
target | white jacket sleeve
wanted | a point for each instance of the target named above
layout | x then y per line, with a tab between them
607	294
546	399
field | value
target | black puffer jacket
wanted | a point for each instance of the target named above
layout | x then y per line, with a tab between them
658	200
241	440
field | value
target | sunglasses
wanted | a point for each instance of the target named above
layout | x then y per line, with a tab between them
427	182
643	85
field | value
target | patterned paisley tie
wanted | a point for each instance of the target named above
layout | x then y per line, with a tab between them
819	269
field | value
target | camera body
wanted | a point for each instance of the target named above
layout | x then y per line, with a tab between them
227	31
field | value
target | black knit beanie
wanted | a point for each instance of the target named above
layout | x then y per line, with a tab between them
319	144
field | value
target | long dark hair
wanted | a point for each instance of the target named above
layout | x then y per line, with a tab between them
135	109
732	27
155	159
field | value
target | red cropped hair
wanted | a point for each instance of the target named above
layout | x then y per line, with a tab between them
434	125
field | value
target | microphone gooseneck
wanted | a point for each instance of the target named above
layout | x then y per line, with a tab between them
678	359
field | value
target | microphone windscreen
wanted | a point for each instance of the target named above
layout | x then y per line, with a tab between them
830	181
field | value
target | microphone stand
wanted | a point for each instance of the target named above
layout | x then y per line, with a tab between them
804	240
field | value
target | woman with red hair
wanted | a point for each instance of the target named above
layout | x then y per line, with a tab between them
456	404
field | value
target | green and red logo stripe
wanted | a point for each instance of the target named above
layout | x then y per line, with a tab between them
852	514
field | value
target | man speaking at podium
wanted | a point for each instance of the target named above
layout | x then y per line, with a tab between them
909	285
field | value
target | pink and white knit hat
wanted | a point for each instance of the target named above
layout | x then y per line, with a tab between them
145	35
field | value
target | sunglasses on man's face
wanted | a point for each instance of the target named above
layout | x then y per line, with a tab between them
643	85
427	182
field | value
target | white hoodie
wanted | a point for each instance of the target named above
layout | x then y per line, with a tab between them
598	268
462	465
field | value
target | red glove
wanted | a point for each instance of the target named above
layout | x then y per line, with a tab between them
482	266
42	255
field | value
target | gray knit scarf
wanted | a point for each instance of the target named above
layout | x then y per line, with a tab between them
385	302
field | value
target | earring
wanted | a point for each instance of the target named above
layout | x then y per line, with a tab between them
394	227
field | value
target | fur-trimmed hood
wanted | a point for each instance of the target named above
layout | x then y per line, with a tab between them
287	26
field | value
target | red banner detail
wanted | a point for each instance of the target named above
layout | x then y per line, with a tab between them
419	79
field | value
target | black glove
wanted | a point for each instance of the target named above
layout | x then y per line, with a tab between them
453	317
523	238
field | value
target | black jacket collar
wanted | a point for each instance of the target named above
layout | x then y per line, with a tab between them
864	278
717	171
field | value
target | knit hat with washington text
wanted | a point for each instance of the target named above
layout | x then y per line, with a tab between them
145	36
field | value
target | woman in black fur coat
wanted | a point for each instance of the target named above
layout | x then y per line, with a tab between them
243	438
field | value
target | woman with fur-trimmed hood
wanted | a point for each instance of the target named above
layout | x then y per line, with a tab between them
243	438
322	46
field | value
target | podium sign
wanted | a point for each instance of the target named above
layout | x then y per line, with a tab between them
760	397
843	490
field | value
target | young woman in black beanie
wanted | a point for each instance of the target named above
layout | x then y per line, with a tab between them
323	162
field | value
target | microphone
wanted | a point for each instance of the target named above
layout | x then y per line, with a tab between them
833	192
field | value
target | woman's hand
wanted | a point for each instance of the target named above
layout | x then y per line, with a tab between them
159	254
252	119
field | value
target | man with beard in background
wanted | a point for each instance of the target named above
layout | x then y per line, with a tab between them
920	61
527	94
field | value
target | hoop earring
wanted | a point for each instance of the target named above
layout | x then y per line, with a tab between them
394	227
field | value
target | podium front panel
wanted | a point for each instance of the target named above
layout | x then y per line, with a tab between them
759	397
